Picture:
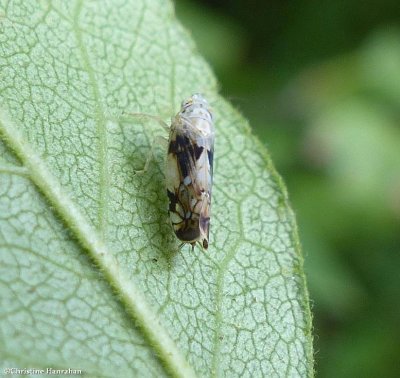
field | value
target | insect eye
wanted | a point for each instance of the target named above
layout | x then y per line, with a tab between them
186	103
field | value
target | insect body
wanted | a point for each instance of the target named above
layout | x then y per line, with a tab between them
189	171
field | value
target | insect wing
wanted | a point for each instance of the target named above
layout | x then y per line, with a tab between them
189	180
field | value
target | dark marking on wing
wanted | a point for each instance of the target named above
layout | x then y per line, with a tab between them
187	229
197	151
210	154
187	152
173	200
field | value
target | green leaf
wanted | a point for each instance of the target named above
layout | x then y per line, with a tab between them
90	274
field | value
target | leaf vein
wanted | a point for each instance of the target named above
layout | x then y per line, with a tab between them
101	126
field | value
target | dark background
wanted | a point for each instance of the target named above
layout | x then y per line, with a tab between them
319	82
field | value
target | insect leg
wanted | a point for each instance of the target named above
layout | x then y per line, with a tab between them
163	124
158	140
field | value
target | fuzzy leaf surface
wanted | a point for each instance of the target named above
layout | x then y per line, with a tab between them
73	213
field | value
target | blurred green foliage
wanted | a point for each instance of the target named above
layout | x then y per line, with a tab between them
320	84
